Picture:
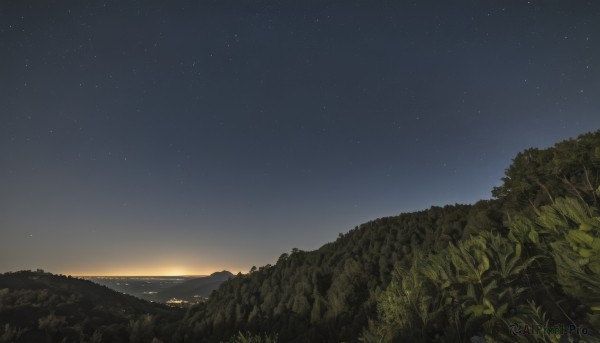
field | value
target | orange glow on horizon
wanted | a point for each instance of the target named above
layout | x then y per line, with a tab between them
161	271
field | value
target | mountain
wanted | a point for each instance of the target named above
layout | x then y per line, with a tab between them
42	307
493	271
190	290
467	271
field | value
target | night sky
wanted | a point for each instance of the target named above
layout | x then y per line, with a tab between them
171	137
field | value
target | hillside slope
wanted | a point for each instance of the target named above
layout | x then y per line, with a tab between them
460	273
41	307
330	294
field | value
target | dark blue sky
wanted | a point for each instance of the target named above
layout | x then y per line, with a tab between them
152	137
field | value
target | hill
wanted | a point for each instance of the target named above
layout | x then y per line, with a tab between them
191	289
42	307
352	288
489	272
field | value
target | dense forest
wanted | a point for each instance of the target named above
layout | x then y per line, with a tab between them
524	266
41	307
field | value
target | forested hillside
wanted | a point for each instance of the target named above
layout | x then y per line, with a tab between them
41	307
461	273
332	294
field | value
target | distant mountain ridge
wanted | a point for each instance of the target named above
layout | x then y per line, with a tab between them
144	287
190	290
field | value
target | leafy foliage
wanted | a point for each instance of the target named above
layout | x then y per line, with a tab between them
477	288
249	338
569	169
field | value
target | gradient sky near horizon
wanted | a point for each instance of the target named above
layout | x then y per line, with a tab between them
185	137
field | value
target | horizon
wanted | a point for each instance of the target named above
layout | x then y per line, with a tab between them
123	274
174	274
217	137
137	274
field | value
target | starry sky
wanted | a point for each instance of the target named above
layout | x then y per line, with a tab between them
185	137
